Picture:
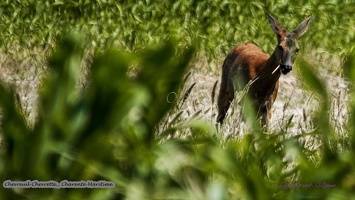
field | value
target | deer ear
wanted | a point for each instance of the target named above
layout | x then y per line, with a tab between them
274	24
301	29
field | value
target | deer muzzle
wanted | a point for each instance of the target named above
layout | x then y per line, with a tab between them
285	69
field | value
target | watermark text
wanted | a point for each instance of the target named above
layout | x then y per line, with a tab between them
323	185
58	185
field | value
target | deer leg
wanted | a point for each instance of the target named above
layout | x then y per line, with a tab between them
266	116
225	97
265	121
226	91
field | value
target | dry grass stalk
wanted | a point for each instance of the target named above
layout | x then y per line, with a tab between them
187	94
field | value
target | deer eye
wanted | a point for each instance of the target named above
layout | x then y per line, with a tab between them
280	48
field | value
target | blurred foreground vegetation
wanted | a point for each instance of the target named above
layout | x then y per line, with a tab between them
121	126
111	131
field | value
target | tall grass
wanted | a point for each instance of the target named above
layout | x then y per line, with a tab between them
213	27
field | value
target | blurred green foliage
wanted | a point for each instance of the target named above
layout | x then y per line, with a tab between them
110	131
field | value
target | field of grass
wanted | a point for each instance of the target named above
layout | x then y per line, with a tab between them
126	92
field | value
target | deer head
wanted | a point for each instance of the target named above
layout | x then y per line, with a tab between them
287	47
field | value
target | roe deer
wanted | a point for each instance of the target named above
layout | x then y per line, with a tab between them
247	64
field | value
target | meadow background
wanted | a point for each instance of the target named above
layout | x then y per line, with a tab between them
125	91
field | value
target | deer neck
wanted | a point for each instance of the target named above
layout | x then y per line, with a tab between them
269	75
269	68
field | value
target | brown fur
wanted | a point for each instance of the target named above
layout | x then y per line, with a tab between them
247	63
